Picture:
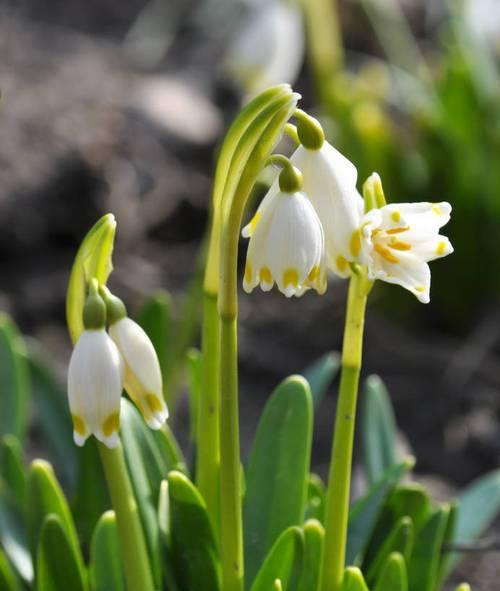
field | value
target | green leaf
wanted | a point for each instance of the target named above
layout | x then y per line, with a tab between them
12	468
353	580
92	497
423	567
44	496
106	572
8	581
316	494
12	534
400	540
282	561
170	449
155	317
14	378
93	259
277	480
365	512
445	558
58	564
194	376
477	507
321	374
378	429
393	575
314	534
463	587
53	417
192	544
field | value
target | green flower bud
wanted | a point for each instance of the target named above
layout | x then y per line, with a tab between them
115	308
94	310
309	131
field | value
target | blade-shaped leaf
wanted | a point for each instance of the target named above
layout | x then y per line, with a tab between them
278	469
378	429
14	377
393	575
58	565
316	493
194	376
321	374
12	534
365	512
314	534
353	580
12	468
106	572
423	567
44	497
8	581
282	562
192	545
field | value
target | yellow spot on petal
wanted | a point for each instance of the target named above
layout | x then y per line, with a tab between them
397	230
290	277
385	253
265	275
154	402
420	289
79	425
441	248
437	210
313	274
248	272
396	216
111	424
342	264
355	243
400	245
254	221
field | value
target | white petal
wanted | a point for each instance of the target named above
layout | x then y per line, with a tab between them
429	250
413	277
423	219
143	380
95	382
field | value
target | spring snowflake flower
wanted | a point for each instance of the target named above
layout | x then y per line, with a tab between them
398	240
330	185
95	380
287	246
143	379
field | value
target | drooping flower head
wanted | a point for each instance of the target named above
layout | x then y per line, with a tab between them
142	378
95	378
287	245
398	240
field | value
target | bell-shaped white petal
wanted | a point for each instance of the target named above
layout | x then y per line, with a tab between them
95	383
330	184
269	49
287	247
143	380
398	240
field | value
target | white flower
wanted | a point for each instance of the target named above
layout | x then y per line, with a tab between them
143	379
95	383
330	184
269	49
398	240
287	246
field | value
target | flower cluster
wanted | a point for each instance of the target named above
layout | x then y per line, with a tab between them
296	237
103	364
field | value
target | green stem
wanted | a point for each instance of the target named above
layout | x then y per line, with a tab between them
231	519
208	455
135	559
337	501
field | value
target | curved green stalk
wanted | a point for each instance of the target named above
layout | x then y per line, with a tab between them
339	480
136	566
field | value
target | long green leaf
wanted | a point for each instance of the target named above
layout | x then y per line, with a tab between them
14	377
316	493
477	507
378	429
8	581
321	374
192	543
44	497
353	580
58	565
365	512
106	572
12	468
277	470
314	534
282	561
12	534
393	575
423	567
